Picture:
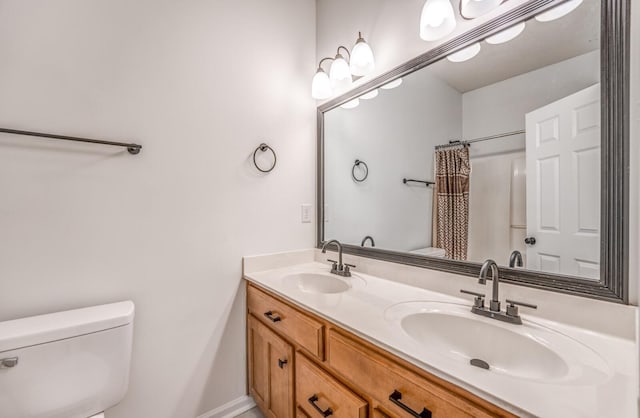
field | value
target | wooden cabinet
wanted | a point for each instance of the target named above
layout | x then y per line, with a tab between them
270	361
305	331
338	374
320	394
398	389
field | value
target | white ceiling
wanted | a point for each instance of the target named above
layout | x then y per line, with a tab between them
539	45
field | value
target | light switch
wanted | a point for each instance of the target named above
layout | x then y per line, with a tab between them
306	213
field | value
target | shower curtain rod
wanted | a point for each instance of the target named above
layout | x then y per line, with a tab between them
454	142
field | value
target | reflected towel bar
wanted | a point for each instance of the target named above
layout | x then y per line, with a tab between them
132	148
426	183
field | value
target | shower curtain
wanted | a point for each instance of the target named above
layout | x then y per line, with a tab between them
451	201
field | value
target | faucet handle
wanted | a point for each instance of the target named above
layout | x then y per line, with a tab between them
334	267
349	265
512	309
478	302
526	305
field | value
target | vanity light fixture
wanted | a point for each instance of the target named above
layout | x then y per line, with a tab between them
361	62
558	11
351	104
392	85
465	54
506	35
470	9
437	20
321	85
370	95
339	72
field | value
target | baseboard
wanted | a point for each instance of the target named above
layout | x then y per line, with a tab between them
231	409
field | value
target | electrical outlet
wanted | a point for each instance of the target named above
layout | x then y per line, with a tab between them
305	213
326	212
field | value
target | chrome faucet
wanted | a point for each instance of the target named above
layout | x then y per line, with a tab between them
338	267
515	260
494	312
494	305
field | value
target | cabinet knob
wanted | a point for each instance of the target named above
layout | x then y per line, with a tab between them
530	240
281	363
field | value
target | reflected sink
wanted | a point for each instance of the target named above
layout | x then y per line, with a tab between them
529	351
323	283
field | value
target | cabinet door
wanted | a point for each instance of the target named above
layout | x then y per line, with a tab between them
270	361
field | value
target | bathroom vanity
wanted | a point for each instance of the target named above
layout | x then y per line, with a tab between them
323	345
336	372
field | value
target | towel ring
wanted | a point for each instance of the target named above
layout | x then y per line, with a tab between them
264	147
353	171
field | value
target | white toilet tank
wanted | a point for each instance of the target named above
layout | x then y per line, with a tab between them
71	364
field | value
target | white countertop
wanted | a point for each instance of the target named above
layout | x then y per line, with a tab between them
364	310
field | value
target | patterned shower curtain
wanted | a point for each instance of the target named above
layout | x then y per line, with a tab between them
451	201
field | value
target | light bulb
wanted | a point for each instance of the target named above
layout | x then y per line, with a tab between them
362	62
392	85
471	9
370	95
506	35
351	104
437	20
558	11
339	73
321	85
465	54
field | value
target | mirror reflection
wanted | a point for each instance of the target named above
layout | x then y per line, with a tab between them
490	153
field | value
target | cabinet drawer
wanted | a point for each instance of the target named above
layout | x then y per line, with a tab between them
396	388
303	330
320	395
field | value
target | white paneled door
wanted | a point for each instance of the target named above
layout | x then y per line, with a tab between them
563	185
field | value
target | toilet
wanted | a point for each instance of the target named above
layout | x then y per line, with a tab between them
71	364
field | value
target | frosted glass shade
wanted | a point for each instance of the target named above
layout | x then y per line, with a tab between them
465	54
321	85
372	94
351	104
506	35
339	73
558	11
392	85
437	20
362	62
471	9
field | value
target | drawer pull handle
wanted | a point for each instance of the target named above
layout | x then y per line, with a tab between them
395	398
272	318
313	400
281	363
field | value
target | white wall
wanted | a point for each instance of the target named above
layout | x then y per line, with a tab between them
199	84
395	134
500	108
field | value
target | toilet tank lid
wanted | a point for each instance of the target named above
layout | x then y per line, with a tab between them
34	330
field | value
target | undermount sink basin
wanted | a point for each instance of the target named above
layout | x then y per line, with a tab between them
323	283
529	351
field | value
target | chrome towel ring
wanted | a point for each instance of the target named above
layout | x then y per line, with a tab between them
264	147
353	171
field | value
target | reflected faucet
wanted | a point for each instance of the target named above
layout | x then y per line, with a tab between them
515	260
364	241
337	267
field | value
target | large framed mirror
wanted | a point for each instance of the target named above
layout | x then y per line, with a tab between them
487	148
